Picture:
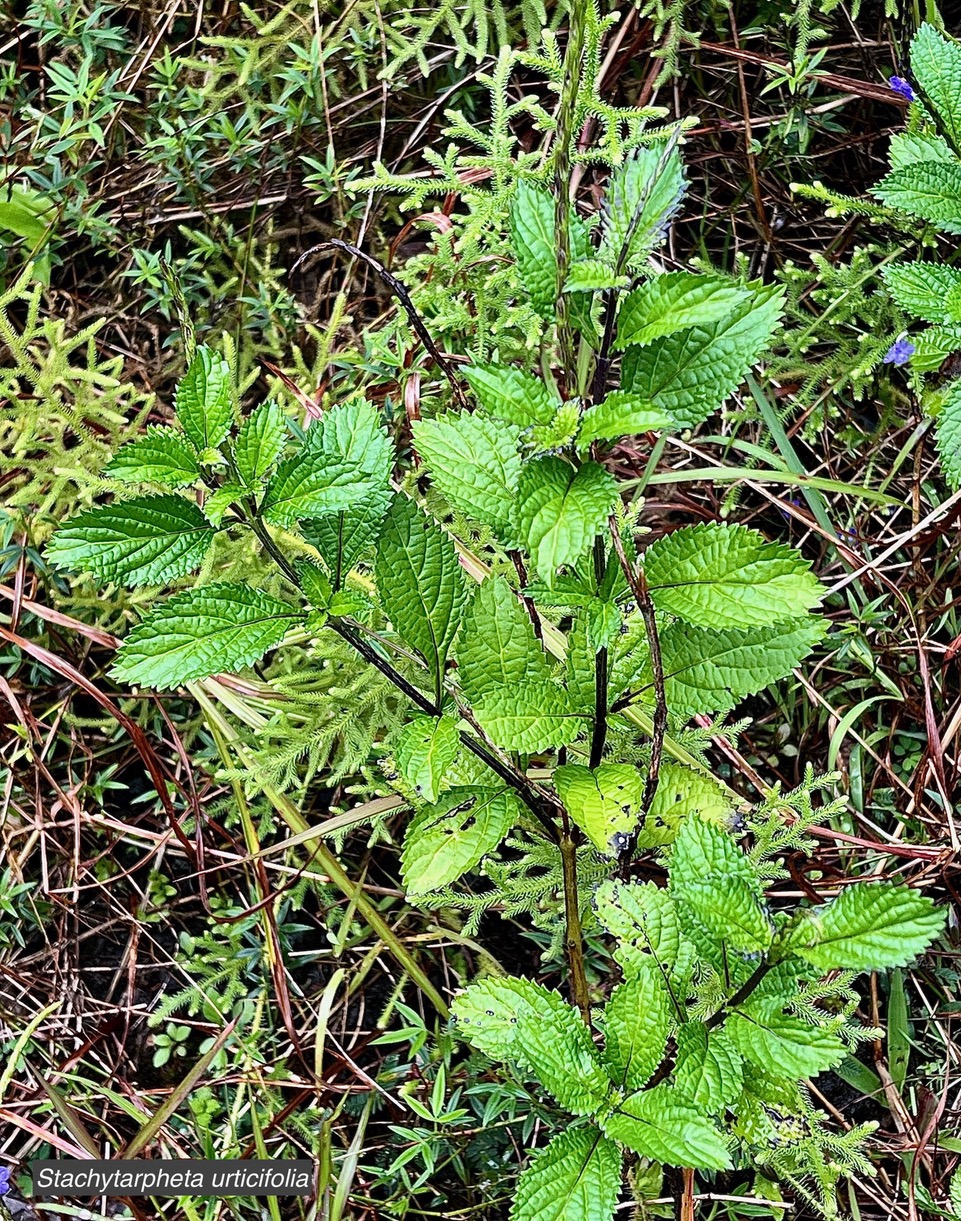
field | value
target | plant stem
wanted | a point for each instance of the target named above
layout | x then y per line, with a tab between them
601	665
562	184
740	996
573	937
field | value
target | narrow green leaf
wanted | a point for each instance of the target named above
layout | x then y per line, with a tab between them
643	195
204	400
532	236
210	630
161	455
638	1021
421	583
949	434
448	838
146	541
260	442
576	1178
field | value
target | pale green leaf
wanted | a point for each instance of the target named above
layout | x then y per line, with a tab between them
620	414
426	748
704	851
681	790
603	623
420	583
691	373
644	922
511	394
930	190
907	148
936	67
674	301
218	502
448	838
26	213
559	510
146	541
643	195
530	718
211	630
727	909
870	926
603	802
497	649
161	455
783	1044
475	462
728	576
260	441
532	236
709	1070
658	1124
204	399
638	1021
576	1178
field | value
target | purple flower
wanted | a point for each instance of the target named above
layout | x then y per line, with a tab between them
903	87
900	352
4	1180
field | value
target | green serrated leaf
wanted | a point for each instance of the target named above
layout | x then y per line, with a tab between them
657	1124
645	916
593	275
475	462
691	373
783	1044
638	1021
559	510
511	394
145	541
644	193
344	463
204	401
907	148
727	909
603	623
260	442
446	839
530	718
426	748
728	576
497	649
674	301
948	434
344	538
559	433
315	583
936	66
421	583
870	926
515	1019
211	630
930	190
161	455
620	414
704	851
709	1070
922	289
218	502
603	802
576	1178
532	236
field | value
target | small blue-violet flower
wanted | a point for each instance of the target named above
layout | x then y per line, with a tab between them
903	87
900	352
4	1180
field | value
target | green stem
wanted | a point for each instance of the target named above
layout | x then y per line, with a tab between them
573	936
